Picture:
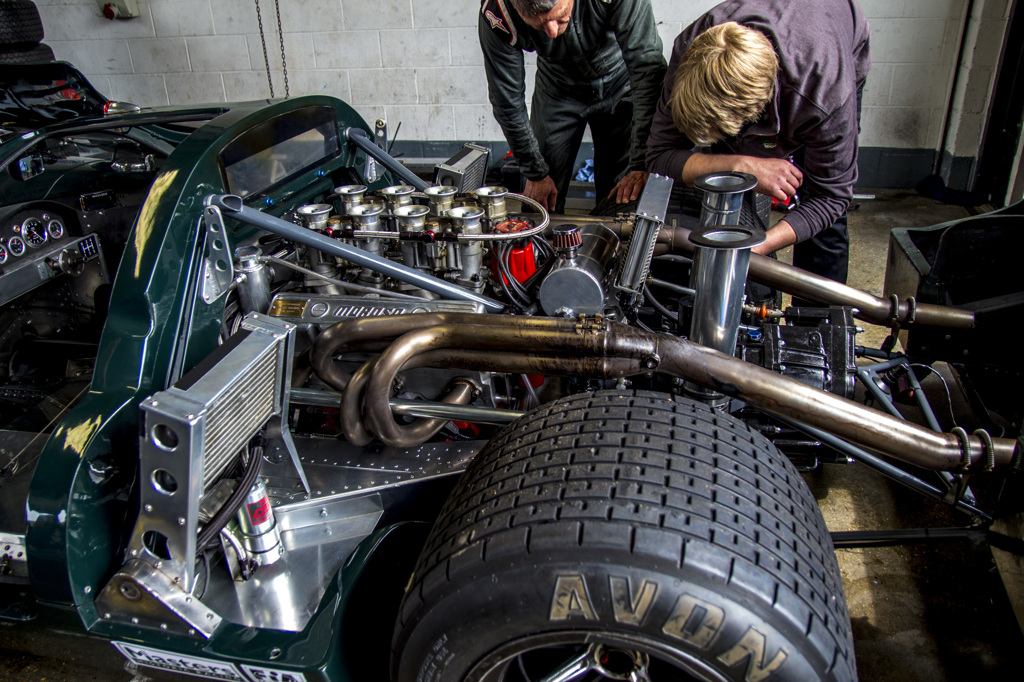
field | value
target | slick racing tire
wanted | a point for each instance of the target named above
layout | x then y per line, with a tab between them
20	25
39	54
626	536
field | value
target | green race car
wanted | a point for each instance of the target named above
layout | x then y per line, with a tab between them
274	407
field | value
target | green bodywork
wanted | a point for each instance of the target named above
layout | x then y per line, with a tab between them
82	502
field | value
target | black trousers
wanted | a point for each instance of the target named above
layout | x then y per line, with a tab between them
559	116
826	253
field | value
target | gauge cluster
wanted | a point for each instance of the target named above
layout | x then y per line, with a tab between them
37	246
22	235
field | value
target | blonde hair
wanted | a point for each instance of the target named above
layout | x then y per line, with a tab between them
723	81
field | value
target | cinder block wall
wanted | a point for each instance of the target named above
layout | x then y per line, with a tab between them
418	63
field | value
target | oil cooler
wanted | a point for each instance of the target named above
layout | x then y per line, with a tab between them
190	434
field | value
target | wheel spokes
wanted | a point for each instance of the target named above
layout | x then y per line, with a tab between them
575	668
596	658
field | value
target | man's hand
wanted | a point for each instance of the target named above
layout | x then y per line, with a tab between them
775	177
779	178
543	192
629	187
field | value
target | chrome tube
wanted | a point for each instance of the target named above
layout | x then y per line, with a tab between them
397	196
492	202
723	196
367	216
362	139
349	196
813	287
718	277
719	273
314	217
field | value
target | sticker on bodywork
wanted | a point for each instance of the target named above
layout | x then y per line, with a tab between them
203	667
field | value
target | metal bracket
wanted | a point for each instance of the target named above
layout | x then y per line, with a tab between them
218	267
650	216
380	138
141	593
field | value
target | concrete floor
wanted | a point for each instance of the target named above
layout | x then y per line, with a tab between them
935	612
930	613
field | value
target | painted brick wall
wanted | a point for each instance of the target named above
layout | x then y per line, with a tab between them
417	62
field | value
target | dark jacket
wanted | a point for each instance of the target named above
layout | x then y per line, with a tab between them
823	53
606	41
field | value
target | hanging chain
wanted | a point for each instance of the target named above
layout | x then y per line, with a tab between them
280	36
263	41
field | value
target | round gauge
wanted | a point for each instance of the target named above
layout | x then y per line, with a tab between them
3	254
33	231
16	245
55	229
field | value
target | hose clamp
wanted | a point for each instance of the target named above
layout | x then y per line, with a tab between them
990	449
911	310
965	447
894	310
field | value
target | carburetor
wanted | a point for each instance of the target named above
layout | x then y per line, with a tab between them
437	231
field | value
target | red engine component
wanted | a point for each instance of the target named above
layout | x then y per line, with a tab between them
512	225
521	263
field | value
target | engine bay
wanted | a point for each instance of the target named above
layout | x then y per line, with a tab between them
276	360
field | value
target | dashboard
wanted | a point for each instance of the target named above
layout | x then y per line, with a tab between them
38	245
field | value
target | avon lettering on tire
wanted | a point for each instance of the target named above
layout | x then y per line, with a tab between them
623	534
